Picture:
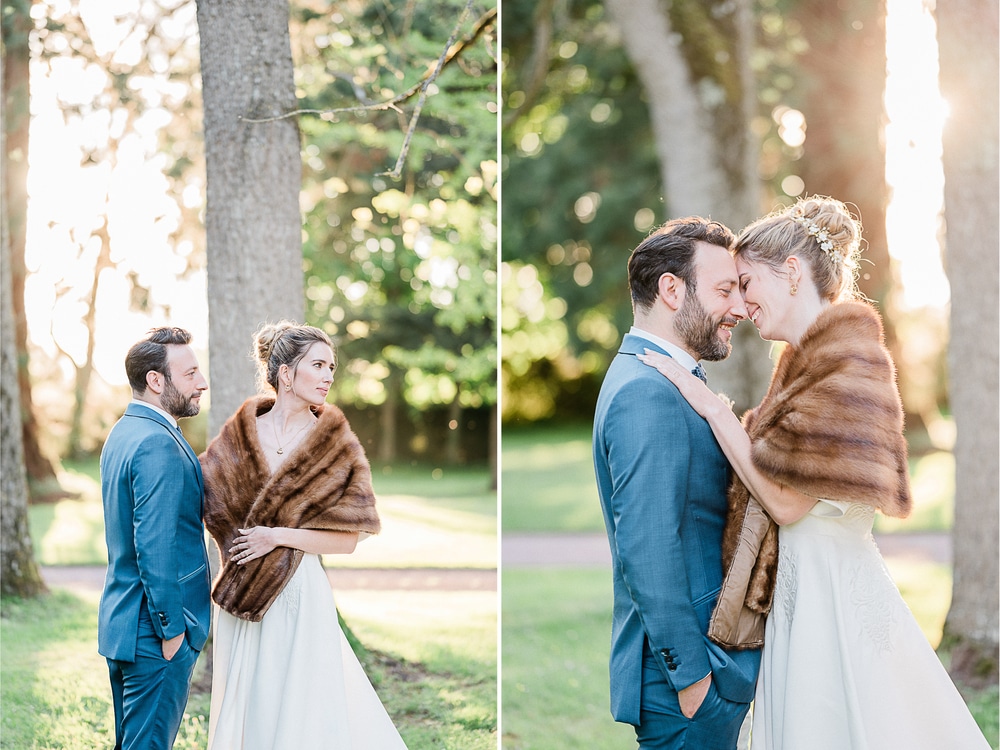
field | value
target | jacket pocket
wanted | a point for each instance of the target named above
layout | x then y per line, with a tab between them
192	574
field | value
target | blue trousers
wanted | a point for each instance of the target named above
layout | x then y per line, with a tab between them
150	693
662	726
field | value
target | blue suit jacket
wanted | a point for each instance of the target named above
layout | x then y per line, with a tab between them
152	490
662	479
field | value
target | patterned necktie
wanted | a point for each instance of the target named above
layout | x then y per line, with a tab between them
699	372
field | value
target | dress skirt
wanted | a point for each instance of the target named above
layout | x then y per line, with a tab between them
845	665
292	680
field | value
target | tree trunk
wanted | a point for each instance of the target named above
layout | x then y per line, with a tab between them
693	60
86	370
453	446
968	43
389	416
17	25
19	574
842	79
254	171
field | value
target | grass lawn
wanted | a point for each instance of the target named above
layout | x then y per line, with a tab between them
556	634
432	656
431	518
432	659
556	623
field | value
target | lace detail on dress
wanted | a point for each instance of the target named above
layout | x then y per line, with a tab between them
875	599
292	593
786	582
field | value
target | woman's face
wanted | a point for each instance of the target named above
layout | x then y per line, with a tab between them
767	295
314	374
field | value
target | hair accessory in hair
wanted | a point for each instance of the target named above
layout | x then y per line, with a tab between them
820	234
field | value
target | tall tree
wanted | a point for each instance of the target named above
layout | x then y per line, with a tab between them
17	25
19	574
841	89
694	62
968	44
254	171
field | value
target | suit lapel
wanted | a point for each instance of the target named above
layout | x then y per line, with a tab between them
175	432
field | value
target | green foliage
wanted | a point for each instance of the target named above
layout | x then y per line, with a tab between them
583	188
402	271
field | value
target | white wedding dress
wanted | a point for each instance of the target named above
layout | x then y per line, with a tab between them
845	665
291	681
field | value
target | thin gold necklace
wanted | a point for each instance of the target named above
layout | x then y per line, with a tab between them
274	428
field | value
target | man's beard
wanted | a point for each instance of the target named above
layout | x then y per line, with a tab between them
701	332
176	404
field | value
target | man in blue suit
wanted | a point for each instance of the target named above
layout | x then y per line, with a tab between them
155	609
662	480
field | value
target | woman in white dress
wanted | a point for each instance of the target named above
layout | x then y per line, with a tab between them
845	665
285	482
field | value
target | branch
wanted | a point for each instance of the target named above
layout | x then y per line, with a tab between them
451	52
539	60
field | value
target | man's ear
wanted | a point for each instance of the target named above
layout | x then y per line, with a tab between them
155	381
671	290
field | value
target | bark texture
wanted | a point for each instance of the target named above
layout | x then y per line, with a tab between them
254	172
968	44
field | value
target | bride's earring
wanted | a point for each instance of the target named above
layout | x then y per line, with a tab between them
794	289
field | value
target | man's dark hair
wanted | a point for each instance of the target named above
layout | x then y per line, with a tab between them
671	249
150	355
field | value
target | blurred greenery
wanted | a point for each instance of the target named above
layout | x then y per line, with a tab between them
402	268
583	187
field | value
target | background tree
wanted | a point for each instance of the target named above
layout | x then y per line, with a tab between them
402	268
19	574
694	62
254	172
840	92
17	26
602	150
968	42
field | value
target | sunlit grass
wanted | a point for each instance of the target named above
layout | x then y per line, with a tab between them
457	703
430	518
432	658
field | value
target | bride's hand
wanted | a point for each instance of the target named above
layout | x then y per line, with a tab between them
695	392
253	543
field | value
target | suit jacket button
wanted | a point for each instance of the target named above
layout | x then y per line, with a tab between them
672	667
664	652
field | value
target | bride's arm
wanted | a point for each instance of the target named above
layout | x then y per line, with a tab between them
781	502
259	540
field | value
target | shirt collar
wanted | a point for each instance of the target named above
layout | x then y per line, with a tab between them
170	417
672	349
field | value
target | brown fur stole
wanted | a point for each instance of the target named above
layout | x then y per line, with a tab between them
830	426
325	483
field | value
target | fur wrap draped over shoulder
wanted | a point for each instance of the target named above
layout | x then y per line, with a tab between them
325	483
830	426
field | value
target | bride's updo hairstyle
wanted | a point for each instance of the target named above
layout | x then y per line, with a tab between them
821	231
283	343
